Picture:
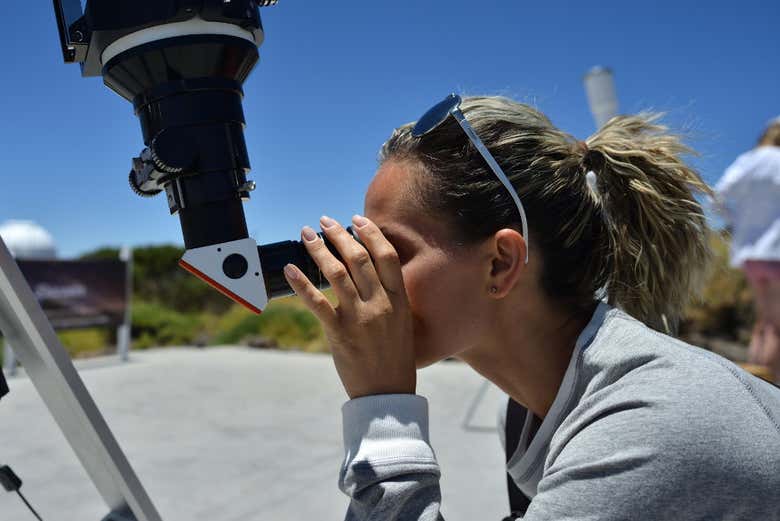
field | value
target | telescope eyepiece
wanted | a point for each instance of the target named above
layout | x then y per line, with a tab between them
274	257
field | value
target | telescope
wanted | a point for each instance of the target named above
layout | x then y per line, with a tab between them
182	64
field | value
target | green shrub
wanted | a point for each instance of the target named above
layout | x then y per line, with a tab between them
86	342
81	343
725	309
290	326
157	325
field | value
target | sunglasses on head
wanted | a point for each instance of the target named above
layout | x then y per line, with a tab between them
451	106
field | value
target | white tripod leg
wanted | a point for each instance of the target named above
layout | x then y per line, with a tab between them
31	336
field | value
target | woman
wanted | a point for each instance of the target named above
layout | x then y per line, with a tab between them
626	423
750	194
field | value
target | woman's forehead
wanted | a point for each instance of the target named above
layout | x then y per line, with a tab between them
387	202
390	204
386	197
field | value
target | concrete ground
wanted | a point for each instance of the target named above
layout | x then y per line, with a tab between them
226	434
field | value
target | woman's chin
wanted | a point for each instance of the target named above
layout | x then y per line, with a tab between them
426	359
422	364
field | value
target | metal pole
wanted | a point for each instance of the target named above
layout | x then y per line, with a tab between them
123	331
9	359
26	328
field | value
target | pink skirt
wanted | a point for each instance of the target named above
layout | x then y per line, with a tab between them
761	272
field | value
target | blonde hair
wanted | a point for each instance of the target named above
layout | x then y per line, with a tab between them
638	232
771	136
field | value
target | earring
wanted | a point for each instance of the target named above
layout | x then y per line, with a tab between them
493	289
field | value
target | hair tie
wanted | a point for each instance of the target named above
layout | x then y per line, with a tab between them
582	149
586	162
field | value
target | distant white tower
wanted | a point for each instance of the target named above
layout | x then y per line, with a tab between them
601	93
27	240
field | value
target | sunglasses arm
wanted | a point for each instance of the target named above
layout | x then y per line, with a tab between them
464	124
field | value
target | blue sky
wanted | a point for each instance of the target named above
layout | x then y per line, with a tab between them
336	77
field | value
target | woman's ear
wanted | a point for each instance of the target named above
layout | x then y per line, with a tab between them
508	262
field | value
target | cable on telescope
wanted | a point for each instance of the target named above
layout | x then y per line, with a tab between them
12	483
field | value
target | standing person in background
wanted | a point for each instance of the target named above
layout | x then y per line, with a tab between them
749	192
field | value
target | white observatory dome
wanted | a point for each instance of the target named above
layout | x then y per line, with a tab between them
27	240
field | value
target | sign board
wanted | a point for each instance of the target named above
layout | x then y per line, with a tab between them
78	294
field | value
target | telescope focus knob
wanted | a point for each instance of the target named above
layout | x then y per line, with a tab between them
141	179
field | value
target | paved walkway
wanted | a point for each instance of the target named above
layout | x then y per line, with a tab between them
229	434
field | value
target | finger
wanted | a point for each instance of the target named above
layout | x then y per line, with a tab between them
332	268
356	257
385	256
311	296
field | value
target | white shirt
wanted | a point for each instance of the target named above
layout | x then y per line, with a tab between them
750	192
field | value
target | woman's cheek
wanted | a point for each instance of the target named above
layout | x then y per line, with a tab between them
430	313
416	294
411	283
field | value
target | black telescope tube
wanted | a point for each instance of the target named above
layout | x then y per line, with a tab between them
274	257
187	94
213	223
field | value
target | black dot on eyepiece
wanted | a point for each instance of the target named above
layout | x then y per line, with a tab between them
235	266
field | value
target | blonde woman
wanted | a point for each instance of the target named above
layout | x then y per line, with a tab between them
483	240
750	194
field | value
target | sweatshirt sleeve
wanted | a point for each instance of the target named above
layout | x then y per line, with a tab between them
390	470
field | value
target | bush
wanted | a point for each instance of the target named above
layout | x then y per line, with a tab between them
80	343
86	342
157	325
289	325
725	309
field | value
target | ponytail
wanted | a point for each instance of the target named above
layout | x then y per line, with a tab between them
658	239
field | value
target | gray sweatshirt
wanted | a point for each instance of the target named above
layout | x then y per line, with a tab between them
643	427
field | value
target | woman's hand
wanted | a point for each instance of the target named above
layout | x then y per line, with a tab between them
370	331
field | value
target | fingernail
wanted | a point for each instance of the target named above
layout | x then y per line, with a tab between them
309	234
327	222
289	270
359	220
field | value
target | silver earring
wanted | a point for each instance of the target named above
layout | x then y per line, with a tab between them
493	289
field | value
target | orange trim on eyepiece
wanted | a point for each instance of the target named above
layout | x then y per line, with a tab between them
216	285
